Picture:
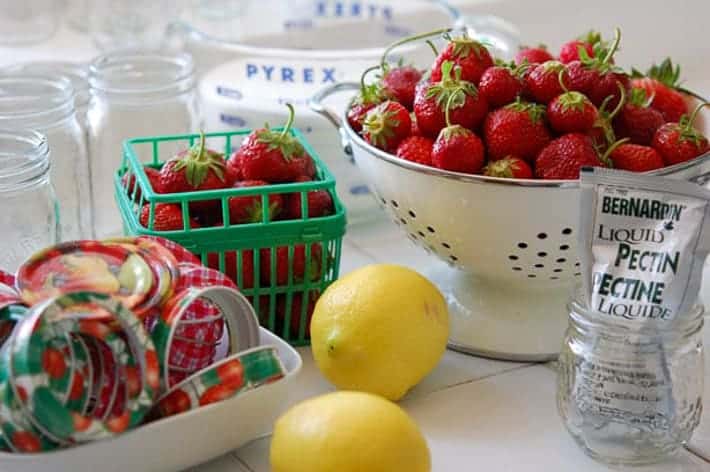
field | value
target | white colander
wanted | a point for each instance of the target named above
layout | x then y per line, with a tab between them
511	244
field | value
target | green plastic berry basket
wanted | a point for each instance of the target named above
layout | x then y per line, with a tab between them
282	266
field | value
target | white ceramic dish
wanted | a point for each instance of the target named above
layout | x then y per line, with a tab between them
181	441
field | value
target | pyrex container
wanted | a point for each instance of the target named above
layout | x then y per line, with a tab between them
249	67
511	243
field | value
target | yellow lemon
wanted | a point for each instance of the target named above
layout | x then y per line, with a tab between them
348	432
380	329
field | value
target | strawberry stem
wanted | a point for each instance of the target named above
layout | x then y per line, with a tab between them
447	114
201	148
694	114
612	148
401	42
289	123
363	86
560	78
433	47
614	46
622	101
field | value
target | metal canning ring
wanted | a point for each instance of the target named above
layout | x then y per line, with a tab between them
229	377
237	313
180	253
60	317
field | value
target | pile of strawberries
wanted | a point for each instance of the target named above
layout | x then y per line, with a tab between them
265	157
536	117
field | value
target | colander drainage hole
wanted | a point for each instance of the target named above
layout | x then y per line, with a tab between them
564	247
523	245
542	236
412	214
517	269
557	271
384	202
413	236
446	245
577	274
531	276
539	266
577	264
513	257
395	204
554	278
404	222
430	229
454	258
421	234
541	254
561	260
567	231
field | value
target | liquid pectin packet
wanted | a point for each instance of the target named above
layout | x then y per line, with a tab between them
643	243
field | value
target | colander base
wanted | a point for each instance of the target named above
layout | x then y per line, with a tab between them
503	321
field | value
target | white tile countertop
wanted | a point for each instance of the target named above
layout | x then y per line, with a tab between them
477	414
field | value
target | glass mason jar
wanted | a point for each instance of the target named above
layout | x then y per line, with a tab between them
131	23
46	104
27	21
134	94
631	397
28	207
78	75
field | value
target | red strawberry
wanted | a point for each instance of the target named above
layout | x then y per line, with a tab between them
637	120
296	312
602	133
369	97
399	84
470	55
570	50
300	265
248	209
517	130
129	182
571	112
543	81
271	156
415	126
581	77
635	157
305	166
501	85
458	149
680	142
231	267
416	149
536	55
167	217
661	83
611	79
565	156
387	125
320	203
195	169
510	168
468	107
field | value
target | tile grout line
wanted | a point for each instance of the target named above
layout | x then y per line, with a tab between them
694	451
240	461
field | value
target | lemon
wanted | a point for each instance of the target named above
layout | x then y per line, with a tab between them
381	329
348	432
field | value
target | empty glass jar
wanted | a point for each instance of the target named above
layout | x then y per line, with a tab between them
28	207
631	397
134	94
27	21
47	105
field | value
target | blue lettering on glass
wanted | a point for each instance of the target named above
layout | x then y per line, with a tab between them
339	9
373	10
229	92
268	70
329	75
308	75
286	74
232	120
355	9
387	13
320	9
359	190
252	70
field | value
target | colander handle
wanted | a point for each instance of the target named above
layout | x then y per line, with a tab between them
316	104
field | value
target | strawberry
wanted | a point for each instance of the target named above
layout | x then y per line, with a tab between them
369	97
661	83
536	55
387	125
501	85
635	157
195	169
680	142
611	79
544	82
129	182
581	77
271	156
415	126
399	84
637	120
565	156
571	112
510	168
458	149
320	203
602	133
300	267
471	56
416	149
296	311
517	129
231	266
570	51
468	107
248	209
167	217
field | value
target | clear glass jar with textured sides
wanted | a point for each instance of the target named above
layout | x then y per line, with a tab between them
27	21
28	207
46	104
631	397
134	94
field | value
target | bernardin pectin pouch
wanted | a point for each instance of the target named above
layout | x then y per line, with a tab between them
643	243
